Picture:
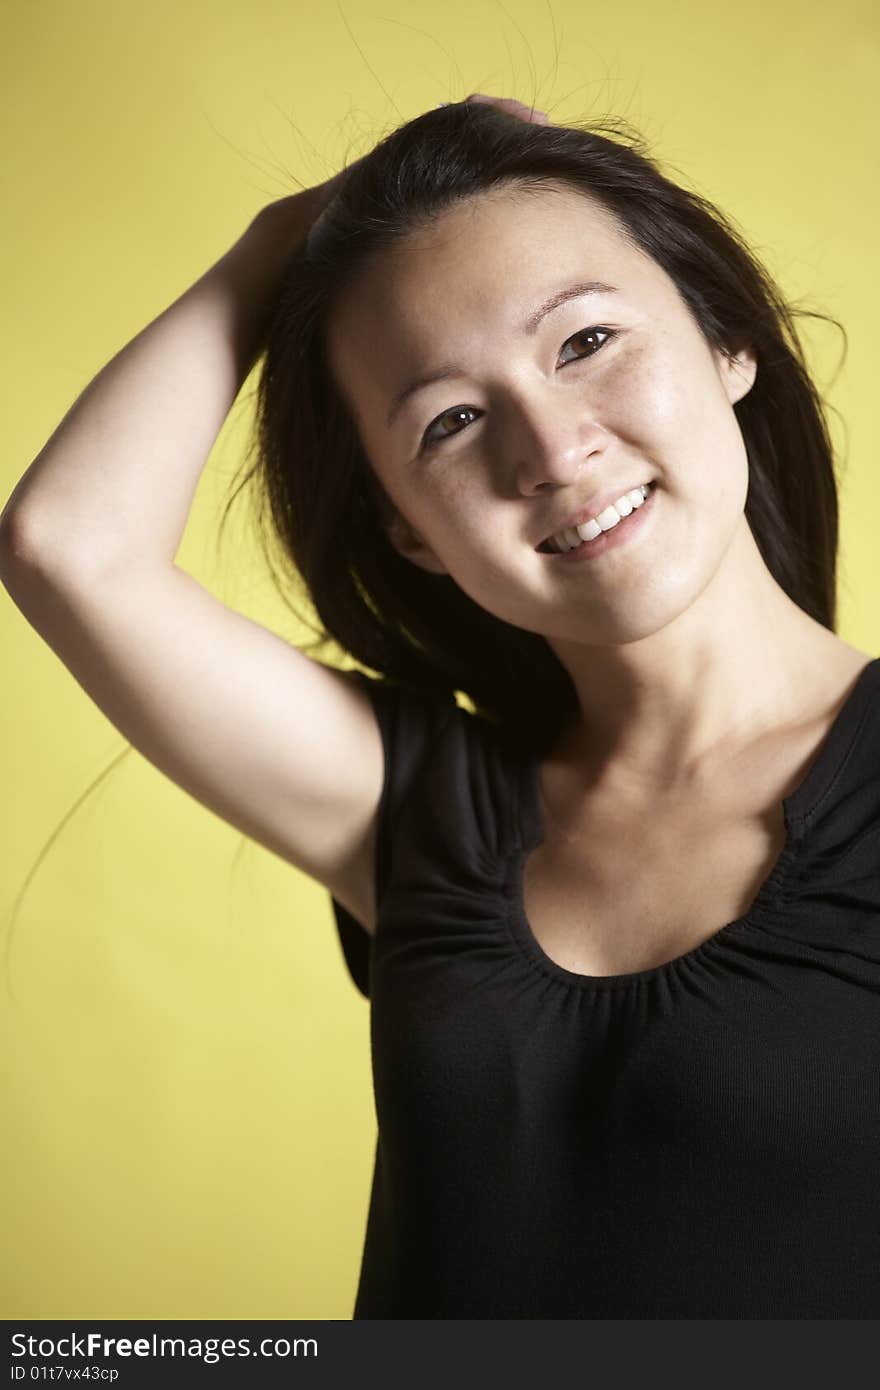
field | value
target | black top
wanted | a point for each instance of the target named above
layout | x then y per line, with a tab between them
697	1140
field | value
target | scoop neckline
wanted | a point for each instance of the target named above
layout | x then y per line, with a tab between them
799	809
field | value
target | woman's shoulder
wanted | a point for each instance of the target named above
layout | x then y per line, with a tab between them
833	745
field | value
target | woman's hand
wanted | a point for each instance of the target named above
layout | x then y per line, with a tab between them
513	108
292	216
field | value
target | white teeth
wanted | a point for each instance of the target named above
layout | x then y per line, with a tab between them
609	517
589	530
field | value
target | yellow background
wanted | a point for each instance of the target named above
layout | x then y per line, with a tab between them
189	1115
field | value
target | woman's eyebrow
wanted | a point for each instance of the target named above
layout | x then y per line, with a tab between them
562	296
529	327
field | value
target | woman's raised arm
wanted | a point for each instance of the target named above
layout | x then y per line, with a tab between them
278	745
115	482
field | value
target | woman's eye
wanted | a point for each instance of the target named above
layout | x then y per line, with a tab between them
595	333
429	438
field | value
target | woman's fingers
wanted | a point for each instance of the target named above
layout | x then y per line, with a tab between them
513	107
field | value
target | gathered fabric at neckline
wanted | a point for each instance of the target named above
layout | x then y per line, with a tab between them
800	810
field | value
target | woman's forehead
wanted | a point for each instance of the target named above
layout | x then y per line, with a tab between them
481	266
501	235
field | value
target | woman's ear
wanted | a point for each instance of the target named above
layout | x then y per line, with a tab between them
408	543
738	373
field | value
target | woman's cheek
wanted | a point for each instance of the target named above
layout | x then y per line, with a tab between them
652	405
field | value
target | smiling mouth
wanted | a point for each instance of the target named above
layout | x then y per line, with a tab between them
613	517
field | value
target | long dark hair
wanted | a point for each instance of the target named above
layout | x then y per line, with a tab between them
322	510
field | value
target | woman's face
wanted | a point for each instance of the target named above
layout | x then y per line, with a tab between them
527	424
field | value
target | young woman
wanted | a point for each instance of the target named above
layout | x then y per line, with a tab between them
534	426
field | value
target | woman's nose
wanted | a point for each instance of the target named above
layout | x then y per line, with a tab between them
552	444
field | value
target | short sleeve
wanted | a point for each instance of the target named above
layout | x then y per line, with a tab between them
409	721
